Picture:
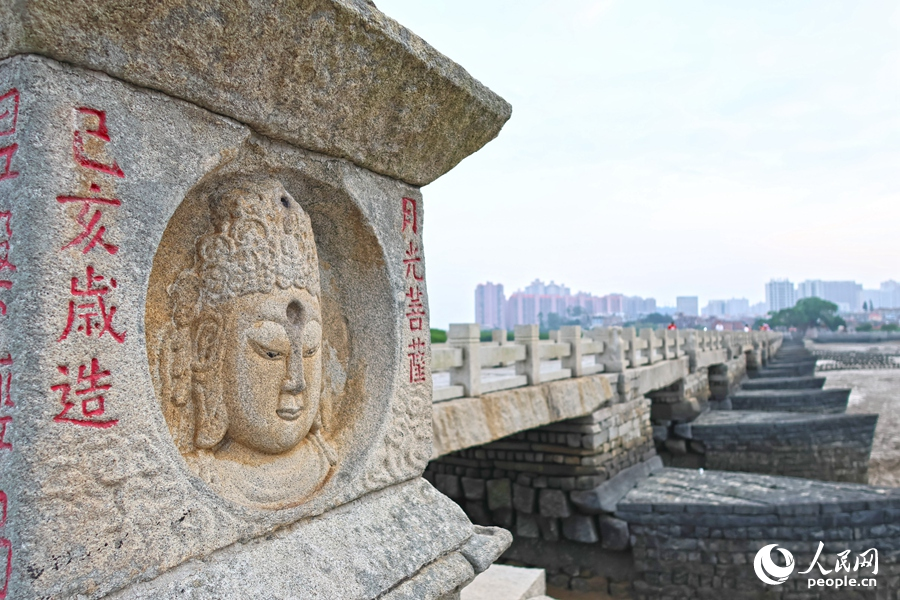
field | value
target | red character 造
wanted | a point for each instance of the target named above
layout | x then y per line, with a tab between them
91	399
91	308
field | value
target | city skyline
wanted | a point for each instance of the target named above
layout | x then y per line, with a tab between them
535	301
665	149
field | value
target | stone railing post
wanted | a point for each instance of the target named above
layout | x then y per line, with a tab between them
498	336
529	336
613	358
678	347
629	337
649	336
467	337
692	342
571	334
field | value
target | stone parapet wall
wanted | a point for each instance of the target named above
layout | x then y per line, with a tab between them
697	535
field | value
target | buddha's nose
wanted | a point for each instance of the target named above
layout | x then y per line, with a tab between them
294	382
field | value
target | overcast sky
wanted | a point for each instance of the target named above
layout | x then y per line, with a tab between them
668	148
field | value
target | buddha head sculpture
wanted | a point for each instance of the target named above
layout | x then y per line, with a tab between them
240	364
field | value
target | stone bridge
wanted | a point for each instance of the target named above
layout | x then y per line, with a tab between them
576	442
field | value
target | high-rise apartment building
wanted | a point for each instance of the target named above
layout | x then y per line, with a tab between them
688	305
780	294
490	305
848	295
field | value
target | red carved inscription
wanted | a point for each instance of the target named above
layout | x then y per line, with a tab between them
90	398
7	546
9	104
100	132
89	306
410	216
91	235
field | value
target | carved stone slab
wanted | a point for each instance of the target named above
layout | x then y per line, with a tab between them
207	335
333	76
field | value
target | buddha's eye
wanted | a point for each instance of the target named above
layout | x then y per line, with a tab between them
312	338
267	353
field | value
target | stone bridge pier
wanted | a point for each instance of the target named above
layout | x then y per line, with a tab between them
568	464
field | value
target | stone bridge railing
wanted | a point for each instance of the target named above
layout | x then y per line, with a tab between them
467	367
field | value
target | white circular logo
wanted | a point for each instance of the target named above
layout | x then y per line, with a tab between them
767	570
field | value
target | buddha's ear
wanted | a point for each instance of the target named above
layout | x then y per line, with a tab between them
210	413
207	341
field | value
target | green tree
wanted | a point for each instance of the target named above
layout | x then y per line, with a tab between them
438	336
890	327
864	327
806	314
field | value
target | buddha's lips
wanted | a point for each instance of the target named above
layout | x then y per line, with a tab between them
289	414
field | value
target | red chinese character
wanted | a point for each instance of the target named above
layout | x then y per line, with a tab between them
90	307
413	261
93	405
410	217
4	423
5	543
93	238
6	381
417	366
415	308
4	256
10	116
99	132
7	153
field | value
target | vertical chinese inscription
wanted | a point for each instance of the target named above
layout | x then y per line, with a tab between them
82	389
414	274
9	118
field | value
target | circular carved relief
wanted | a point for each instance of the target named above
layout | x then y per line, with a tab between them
237	333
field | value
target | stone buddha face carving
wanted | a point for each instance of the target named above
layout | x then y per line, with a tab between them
240	367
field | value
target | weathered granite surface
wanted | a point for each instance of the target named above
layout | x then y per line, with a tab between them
696	534
320	74
343	554
208	336
817	446
783	383
832	401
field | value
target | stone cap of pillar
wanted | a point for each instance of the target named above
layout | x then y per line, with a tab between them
332	76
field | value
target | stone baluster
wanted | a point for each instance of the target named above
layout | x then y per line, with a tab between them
498	336
613	357
629	340
679	343
571	334
692	345
649	336
529	336
467	337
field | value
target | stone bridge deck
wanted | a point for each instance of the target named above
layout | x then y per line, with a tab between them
633	364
